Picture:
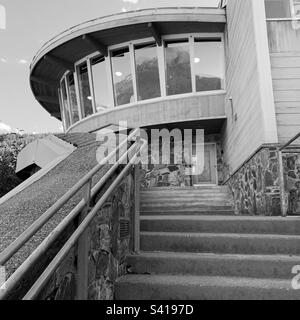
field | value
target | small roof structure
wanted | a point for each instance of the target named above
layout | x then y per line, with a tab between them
42	152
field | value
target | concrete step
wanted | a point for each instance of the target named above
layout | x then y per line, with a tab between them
213	211
220	243
186	189
206	264
185	206
183	194
174	287
184	203
221	224
161	196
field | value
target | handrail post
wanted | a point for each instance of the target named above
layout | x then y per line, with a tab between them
283	202
136	219
83	248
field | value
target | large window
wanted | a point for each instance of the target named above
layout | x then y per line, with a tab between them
122	76
84	90
276	9
147	72
208	64
65	103
178	67
142	71
73	98
100	81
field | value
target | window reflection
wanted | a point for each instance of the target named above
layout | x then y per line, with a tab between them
65	104
296	9
147	72
278	8
84	90
208	64
122	76
73	99
100	80
178	67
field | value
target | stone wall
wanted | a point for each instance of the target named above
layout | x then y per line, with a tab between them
173	175
110	240
255	186
291	165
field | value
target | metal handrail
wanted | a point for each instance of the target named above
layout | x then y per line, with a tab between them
132	153
290	142
44	218
283	199
42	280
16	277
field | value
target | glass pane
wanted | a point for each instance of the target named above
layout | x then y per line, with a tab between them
65	104
100	80
73	99
84	90
122	77
178	67
278	9
208	64
147	72
296	8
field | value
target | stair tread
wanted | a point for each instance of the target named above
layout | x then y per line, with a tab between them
220	218
220	235
207	281
204	255
176	209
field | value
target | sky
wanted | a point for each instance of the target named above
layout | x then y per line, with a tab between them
26	26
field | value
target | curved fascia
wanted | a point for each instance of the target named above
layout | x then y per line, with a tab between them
173	109
129	18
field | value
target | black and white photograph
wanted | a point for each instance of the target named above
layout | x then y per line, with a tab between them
149	153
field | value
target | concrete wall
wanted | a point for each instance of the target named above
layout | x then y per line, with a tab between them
251	114
169	110
284	43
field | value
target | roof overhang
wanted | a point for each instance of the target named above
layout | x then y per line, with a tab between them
42	152
60	53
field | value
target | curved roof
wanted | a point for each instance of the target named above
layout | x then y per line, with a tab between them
61	52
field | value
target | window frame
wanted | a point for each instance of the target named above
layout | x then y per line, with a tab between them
130	46
160	73
61	99
70	98
108	74
77	66
292	11
161	66
189	40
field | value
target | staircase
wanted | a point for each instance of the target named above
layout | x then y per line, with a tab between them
194	247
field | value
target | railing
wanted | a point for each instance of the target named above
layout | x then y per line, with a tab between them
86	213
283	198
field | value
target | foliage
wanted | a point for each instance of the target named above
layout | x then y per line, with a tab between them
10	146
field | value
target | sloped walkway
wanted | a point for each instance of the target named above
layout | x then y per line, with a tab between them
19	212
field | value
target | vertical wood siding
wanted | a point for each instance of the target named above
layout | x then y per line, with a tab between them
284	43
246	126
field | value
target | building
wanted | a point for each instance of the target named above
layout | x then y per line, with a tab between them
232	71
226	71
